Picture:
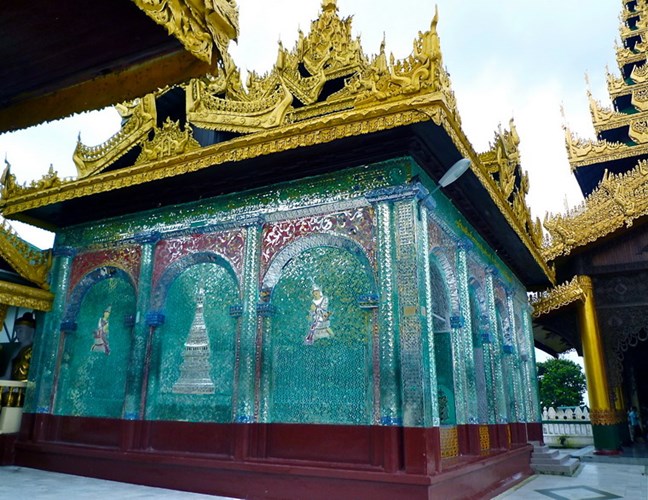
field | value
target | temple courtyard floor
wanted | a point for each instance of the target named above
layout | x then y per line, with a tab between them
592	481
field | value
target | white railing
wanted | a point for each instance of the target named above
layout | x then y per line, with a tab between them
568	427
12	397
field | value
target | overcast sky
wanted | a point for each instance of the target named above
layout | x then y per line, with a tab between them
509	58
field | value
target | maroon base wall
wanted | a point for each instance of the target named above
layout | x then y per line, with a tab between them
534	432
7	449
267	460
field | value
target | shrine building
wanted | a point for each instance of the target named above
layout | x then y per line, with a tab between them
307	286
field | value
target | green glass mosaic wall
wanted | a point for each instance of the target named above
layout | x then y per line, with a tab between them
306	302
96	355
204	394
317	364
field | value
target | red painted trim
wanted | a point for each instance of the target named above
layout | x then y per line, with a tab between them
266	460
534	430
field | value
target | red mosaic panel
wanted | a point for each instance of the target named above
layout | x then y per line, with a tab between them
127	258
228	244
356	224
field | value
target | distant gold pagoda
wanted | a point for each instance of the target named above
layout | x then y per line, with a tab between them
599	248
611	170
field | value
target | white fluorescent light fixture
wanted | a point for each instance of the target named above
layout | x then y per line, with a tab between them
453	173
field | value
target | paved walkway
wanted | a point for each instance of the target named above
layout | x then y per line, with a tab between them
593	481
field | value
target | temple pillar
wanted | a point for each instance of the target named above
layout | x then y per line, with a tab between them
431	399
133	401
605	419
49	342
247	346
468	428
389	389
534	413
497	374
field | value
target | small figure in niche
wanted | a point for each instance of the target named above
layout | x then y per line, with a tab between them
320	326
101	333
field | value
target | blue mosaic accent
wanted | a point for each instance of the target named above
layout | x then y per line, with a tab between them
392	193
391	421
368	301
457	321
236	311
68	326
508	349
147	237
266	310
155	318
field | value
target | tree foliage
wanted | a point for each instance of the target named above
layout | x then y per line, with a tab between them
562	383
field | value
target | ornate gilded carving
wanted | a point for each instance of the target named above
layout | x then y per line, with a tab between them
583	152
502	162
639	74
484	440
557	297
24	296
167	141
606	417
449	442
617	202
616	85
31	263
605	118
138	117
200	25
367	96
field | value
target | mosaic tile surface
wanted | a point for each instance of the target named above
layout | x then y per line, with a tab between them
337	299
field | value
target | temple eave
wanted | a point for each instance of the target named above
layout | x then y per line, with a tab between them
24	296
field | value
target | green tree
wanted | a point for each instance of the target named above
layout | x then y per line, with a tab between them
562	383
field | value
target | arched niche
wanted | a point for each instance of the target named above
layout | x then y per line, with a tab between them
193	355
96	353
441	312
329	377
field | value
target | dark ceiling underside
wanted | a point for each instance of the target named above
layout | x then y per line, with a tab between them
49	47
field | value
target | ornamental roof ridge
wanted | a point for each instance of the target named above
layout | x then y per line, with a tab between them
291	92
582	152
618	200
290	107
203	27
28	261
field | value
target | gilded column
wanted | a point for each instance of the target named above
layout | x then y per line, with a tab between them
49	339
463	342
249	342
134	380
605	420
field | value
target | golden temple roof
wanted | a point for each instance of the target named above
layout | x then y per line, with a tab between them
323	89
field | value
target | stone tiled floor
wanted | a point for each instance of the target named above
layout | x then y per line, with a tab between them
21	483
593	481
